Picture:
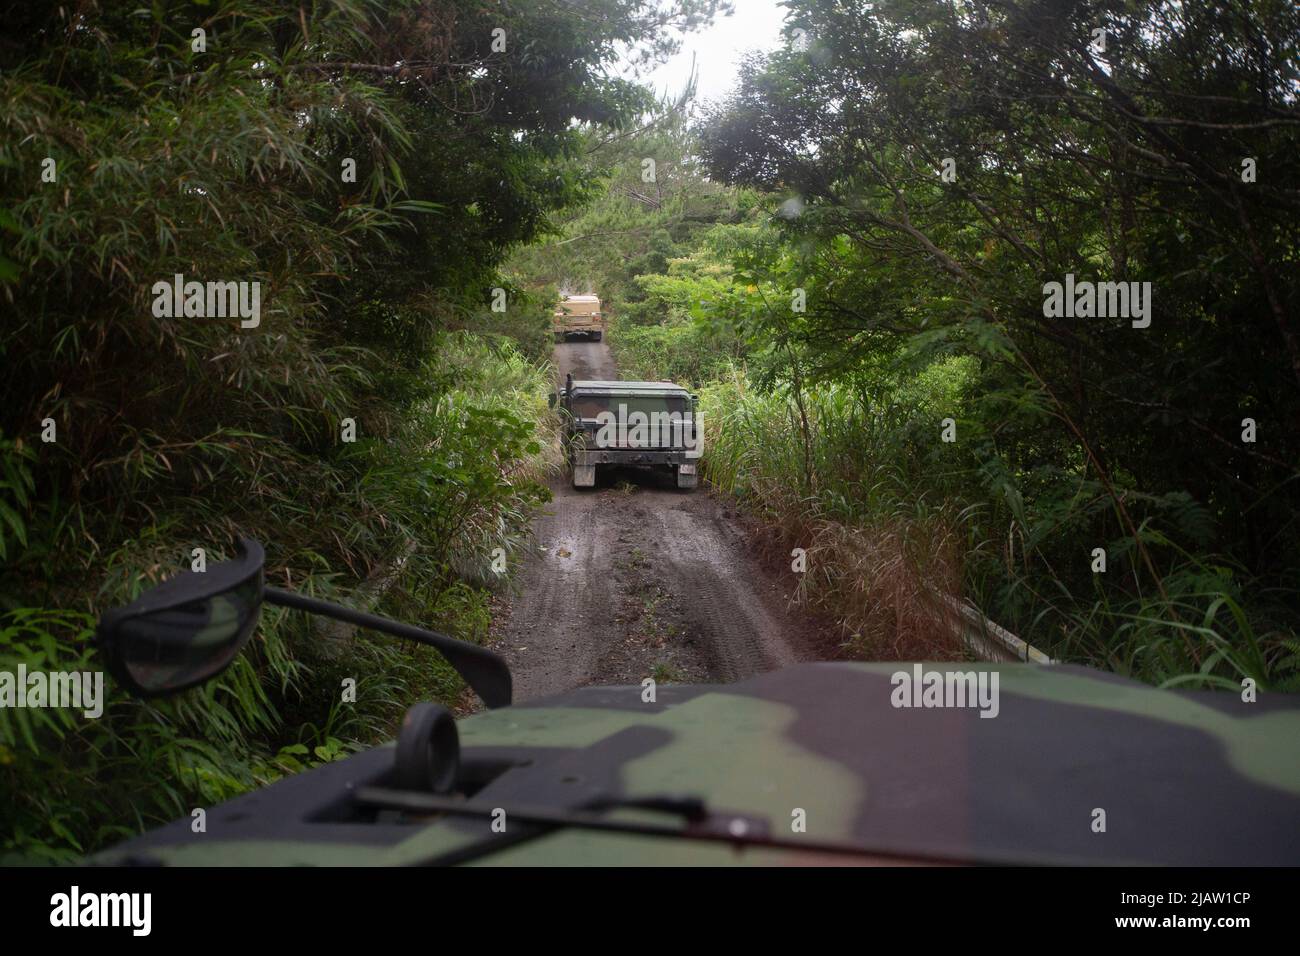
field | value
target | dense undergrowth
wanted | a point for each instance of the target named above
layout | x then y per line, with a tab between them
828	424
458	479
889	520
381	427
884	379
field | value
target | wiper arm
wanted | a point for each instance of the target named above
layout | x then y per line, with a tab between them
702	824
691	809
530	822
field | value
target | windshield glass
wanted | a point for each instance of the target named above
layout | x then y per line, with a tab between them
589	406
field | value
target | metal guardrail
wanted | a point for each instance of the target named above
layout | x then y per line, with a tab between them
985	639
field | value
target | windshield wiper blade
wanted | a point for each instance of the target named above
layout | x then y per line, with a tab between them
699	819
702	824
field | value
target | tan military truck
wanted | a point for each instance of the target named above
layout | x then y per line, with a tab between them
578	317
642	424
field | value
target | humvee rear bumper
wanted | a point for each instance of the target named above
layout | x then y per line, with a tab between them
586	457
584	463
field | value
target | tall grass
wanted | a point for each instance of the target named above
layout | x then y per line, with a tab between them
889	517
839	490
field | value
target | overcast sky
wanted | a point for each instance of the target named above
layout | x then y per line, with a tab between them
755	25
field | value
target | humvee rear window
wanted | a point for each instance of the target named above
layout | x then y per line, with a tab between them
589	406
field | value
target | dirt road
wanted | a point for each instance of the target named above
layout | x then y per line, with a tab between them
634	579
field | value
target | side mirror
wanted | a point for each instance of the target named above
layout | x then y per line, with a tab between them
186	630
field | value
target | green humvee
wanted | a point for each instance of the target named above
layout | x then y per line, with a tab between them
647	424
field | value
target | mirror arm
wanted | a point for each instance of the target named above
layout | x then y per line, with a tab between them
485	672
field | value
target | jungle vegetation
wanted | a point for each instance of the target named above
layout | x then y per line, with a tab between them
370	165
885	383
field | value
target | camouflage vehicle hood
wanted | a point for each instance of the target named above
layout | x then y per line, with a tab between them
1183	777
